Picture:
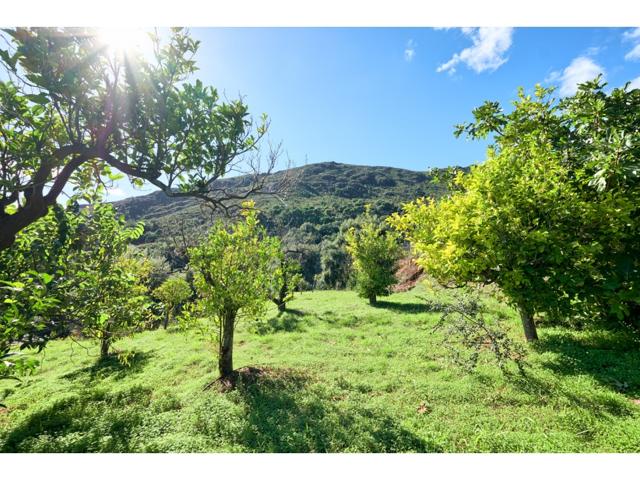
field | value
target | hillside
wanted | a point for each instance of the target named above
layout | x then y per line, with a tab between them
321	193
321	197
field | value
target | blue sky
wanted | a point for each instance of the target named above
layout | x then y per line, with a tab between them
390	96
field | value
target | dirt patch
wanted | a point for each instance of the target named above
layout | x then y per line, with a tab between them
408	275
251	375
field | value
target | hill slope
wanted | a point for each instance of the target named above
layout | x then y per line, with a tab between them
320	199
339	188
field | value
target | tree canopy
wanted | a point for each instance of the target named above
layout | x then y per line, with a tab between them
375	251
552	215
238	270
73	113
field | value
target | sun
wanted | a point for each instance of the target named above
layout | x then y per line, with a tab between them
123	41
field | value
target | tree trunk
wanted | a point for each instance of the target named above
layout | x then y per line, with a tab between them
105	343
225	359
530	331
165	323
37	204
373	300
282	306
11	225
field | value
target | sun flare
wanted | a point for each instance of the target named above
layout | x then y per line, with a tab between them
125	40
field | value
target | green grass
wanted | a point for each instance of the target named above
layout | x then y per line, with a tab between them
340	375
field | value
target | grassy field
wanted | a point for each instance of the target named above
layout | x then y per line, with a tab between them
338	376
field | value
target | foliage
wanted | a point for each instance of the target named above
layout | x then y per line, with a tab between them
73	112
335	264
106	292
309	222
596	134
375	252
237	271
335	261
287	280
31	285
173	292
467	332
533	218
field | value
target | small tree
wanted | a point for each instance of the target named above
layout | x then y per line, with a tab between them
375	252
236	275
172	293
106	290
287	281
32	283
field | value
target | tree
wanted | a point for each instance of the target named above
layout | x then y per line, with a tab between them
534	218
72	112
106	291
335	261
287	280
68	271
32	282
596	135
510	225
172	293
374	251
236	273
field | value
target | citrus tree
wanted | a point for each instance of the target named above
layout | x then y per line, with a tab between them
596	135
551	216
106	295
514	224
375	251
287	280
74	113
173	292
31	285
236	273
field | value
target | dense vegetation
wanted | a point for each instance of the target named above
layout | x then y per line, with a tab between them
311	218
552	216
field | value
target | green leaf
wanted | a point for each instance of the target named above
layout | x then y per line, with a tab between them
40	98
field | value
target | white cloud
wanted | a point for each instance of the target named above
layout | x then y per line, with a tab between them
581	69
553	77
634	53
592	51
635	83
631	34
410	50
487	52
634	37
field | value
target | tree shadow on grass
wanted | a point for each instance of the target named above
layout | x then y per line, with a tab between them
88	421
112	367
288	321
610	358
406	307
288	412
545	391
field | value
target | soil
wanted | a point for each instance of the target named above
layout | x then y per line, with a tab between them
408	275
